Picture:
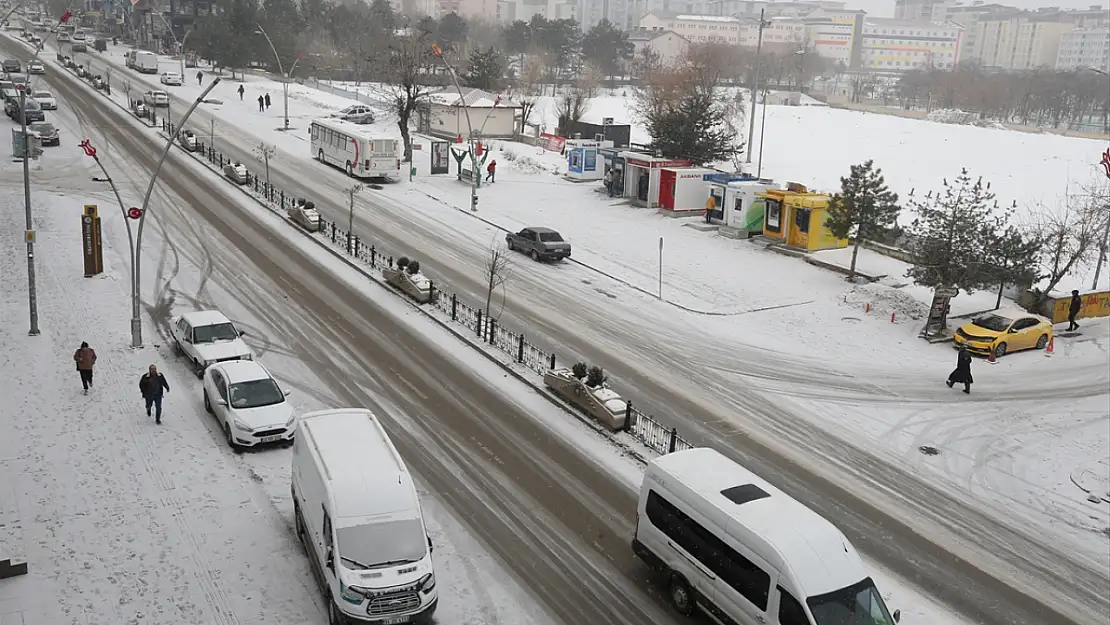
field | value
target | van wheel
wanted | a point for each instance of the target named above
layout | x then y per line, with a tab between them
350	170
682	597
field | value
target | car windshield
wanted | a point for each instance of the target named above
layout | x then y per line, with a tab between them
996	323
46	129
858	604
382	544
214	332
550	237
42	94
255	394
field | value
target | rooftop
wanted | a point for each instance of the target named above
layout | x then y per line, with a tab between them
243	371
205	318
471	98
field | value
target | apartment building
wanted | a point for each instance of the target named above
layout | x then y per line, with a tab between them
968	14
1084	48
892	45
695	28
1018	40
668	45
836	35
509	11
920	10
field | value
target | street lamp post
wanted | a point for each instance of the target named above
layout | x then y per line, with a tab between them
181	51
284	76
755	86
474	174
136	244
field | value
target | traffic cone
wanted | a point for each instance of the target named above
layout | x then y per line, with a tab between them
990	357
1050	348
867	309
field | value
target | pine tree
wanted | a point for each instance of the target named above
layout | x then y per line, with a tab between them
952	233
1013	257
865	208
484	69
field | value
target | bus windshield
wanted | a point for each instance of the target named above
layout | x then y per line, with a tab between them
858	604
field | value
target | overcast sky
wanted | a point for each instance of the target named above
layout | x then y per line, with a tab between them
885	8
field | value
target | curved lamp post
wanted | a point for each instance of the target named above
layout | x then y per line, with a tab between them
475	175
284	76
136	243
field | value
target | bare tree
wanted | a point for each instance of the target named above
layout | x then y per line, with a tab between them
499	268
411	61
127	91
570	107
351	192
263	153
1072	236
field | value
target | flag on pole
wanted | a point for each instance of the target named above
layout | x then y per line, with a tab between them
65	16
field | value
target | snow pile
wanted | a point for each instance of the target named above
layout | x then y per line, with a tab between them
964	118
885	300
526	163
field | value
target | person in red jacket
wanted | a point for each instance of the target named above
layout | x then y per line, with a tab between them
85	357
491	171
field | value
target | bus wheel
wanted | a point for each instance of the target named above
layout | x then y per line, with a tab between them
350	170
320	156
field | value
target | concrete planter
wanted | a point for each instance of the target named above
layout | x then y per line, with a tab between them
602	404
417	286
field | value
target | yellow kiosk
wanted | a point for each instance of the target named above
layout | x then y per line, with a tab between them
797	217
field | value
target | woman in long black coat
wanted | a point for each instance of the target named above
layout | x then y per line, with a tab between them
962	373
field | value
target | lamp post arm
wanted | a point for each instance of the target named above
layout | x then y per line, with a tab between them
277	57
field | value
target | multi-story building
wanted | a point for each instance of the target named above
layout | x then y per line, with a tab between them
696	28
1084	48
836	35
508	11
919	10
968	14
780	32
1020	40
668	45
892	45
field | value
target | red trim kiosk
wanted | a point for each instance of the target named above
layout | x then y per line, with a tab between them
641	176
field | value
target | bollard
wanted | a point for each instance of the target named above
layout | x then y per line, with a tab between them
373	257
674	441
454	307
283	199
491	332
431	291
520	349
320	224
627	425
551	365
358	244
479	322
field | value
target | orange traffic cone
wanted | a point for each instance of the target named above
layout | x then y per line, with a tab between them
1051	347
990	357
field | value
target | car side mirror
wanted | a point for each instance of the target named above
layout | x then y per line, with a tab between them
287	392
242	333
897	615
221	402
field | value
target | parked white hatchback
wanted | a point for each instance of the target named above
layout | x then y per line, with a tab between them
172	79
249	404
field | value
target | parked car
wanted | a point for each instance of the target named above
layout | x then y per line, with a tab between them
172	79
32	110
539	243
78	46
46	132
19	78
188	140
237	173
207	337
1004	332
36	67
45	99
305	215
8	92
249	404
63	37
11	65
357	113
156	98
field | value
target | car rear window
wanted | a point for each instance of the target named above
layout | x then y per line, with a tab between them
550	237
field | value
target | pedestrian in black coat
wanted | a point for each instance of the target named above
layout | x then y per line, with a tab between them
962	373
261	104
267	101
241	90
153	385
1073	310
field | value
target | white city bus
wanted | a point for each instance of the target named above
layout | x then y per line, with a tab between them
353	149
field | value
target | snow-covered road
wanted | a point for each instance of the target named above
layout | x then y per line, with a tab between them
722	379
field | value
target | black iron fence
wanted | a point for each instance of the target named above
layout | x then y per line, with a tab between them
486	328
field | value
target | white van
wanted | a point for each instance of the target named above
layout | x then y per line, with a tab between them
145	62
744	552
359	518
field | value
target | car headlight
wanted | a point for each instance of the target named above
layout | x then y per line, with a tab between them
428	582
242	426
351	594
291	421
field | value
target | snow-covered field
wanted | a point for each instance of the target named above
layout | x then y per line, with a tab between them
1013	444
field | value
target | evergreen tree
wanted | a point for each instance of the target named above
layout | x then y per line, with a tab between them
452	31
864	208
383	16
1012	255
952	232
484	69
607	47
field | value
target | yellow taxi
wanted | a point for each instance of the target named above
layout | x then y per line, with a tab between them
1004	332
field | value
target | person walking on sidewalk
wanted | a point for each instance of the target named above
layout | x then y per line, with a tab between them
491	171
153	385
241	91
267	101
1073	310
200	77
962	373
85	357
261	104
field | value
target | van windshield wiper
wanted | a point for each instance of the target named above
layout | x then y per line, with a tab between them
393	562
354	562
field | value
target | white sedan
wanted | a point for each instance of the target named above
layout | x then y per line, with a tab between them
156	98
249	404
46	100
170	78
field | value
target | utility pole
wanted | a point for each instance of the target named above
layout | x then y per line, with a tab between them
475	173
351	193
32	296
1102	246
212	132
754	88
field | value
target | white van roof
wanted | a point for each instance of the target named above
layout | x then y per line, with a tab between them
785	532
366	475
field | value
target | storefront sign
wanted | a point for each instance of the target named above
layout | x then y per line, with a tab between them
90	241
441	162
658	164
553	143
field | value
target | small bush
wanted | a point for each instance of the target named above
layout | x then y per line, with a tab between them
596	377
579	370
414	267
402	262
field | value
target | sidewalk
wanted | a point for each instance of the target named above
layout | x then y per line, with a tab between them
123	521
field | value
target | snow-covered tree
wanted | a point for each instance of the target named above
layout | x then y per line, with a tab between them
865	208
484	69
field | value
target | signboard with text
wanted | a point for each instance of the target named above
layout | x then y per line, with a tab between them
441	161
552	143
91	245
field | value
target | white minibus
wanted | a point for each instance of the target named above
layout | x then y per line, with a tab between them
354	149
358	515
744	552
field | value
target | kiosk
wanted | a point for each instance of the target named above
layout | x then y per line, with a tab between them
583	162
641	177
797	218
736	201
682	189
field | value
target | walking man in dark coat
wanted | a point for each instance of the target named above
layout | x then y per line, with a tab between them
261	104
85	357
962	373
200	77
267	101
153	385
241	90
1073	309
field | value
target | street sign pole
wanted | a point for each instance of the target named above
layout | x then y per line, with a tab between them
32	296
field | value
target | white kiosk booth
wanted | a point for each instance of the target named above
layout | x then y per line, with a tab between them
641	176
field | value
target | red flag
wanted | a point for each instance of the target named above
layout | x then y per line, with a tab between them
65	17
1106	162
88	148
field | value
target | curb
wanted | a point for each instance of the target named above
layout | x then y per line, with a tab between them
539	390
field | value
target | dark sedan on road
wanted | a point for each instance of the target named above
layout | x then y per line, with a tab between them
539	243
32	110
46	132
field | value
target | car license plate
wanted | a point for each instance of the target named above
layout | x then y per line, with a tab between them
270	439
395	621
